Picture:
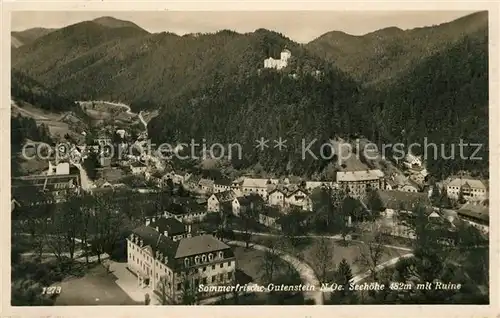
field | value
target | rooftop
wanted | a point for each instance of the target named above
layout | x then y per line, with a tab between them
396	200
171	225
199	244
258	183
458	182
225	196
360	175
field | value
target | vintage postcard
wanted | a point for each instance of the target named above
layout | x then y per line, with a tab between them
305	159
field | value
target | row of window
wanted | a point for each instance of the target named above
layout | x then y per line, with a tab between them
473	190
139	262
208	280
203	258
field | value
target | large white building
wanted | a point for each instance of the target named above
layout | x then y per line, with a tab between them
278	64
258	186
167	259
359	182
472	190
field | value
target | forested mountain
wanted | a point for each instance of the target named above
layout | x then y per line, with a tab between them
93	61
441	100
387	54
24	88
30	35
269	105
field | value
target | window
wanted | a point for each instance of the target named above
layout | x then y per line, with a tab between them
229	275
204	281
203	258
186	262
221	255
221	277
221	265
204	268
213	267
228	264
214	278
179	286
210	257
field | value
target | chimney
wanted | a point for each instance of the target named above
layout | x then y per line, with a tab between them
148	221
165	233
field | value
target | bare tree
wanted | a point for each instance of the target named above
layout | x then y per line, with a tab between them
107	222
163	291
374	237
323	252
271	257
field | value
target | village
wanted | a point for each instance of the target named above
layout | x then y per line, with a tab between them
211	219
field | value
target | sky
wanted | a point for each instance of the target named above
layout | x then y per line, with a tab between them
300	26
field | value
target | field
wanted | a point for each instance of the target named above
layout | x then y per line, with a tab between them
306	249
97	287
54	121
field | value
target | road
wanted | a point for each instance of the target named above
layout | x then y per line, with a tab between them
84	178
337	237
305	271
26	112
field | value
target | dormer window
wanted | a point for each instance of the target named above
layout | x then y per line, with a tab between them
186	262
221	255
203	258
210	257
197	260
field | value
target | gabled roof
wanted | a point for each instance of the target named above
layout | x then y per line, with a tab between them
258	183
225	196
458	182
206	183
198	245
360	175
171	225
247	200
477	211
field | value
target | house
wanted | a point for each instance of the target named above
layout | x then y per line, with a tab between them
412	161
419	175
390	184
138	167
409	188
270	217
222	184
186	210
215	201
165	258
278	64
400	201
43	189
299	199
358	183
258	186
242	204
205	186
61	168
476	215
276	198
311	185
471	189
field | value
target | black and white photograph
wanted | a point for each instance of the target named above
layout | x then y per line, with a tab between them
210	158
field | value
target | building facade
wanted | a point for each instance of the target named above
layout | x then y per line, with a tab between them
358	183
278	64
472	190
169	260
